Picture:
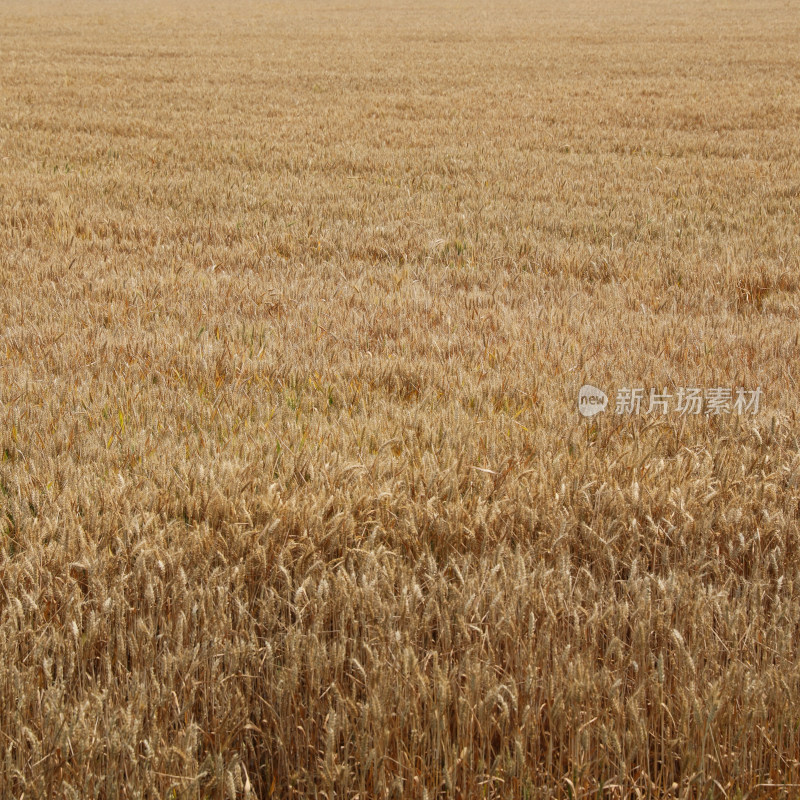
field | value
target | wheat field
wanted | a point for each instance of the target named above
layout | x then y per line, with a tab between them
296	299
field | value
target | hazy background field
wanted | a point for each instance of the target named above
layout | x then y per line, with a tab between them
295	302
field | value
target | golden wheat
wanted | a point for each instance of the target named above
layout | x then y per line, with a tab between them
296	300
